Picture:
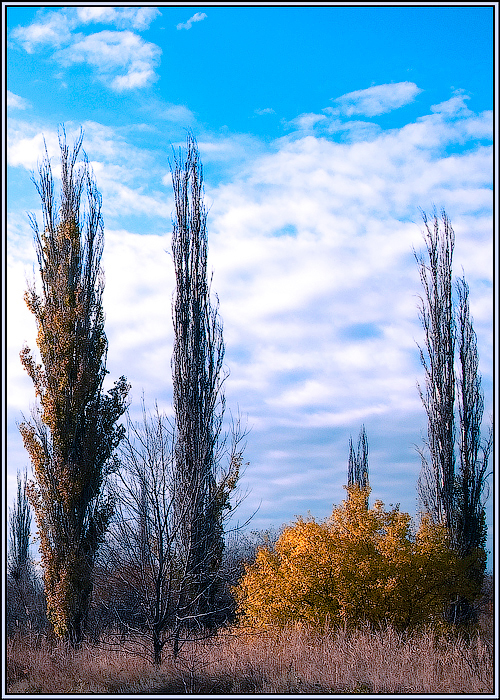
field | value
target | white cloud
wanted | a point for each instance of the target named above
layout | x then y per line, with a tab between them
109	51
136	77
319	236
139	274
15	101
353	130
135	17
26	145
54	28
378	99
305	122
454	107
177	113
449	121
51	29
198	17
266	110
119	168
236	148
311	246
129	201
95	14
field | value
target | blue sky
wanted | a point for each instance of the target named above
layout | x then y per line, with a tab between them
322	131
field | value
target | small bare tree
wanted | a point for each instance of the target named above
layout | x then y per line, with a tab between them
20	566
143	579
138	557
25	604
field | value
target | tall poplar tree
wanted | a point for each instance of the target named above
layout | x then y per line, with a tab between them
438	357
452	484
73	431
474	452
197	368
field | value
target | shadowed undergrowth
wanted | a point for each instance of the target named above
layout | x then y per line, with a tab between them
293	660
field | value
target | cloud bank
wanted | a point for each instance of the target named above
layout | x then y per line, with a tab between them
311	244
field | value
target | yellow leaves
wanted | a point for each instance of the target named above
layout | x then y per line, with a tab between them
74	430
395	543
35	371
431	536
33	302
360	564
61	584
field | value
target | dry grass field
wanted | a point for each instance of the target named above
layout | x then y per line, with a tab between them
295	660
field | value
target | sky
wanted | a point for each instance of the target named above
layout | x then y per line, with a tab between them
323	132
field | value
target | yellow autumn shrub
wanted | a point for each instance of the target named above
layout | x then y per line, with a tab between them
361	564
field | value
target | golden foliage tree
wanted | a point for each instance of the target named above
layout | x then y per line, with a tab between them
73	433
361	565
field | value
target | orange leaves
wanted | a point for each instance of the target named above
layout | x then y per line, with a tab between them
360	564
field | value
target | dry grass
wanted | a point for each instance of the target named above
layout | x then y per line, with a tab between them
296	660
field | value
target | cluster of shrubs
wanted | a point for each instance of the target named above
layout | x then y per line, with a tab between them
361	565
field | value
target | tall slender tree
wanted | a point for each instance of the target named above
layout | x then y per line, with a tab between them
19	562
74	429
357	472
26	605
451	486
473	451
198	398
436	486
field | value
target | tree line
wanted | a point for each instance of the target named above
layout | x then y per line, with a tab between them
137	512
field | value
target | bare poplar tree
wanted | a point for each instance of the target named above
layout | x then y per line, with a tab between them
74	430
173	495
453	493
198	398
19	560
473	452
24	595
357	472
437	481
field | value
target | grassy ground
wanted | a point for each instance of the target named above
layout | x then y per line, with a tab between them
295	660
